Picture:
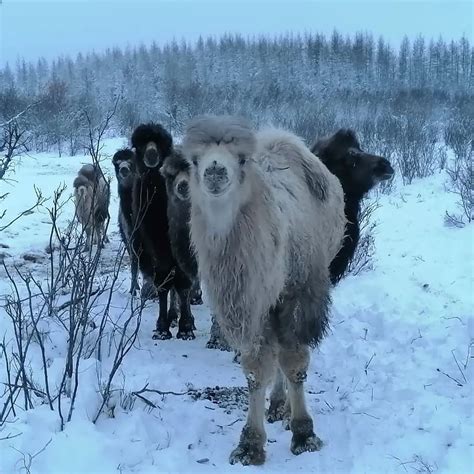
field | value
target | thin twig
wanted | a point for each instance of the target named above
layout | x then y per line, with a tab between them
458	383
459	367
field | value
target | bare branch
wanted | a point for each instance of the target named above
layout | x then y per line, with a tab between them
18	115
40	200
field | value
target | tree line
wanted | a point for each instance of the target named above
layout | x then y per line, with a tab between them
400	100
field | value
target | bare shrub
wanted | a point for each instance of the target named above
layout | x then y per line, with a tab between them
76	299
458	137
13	141
310	122
415	146
363	259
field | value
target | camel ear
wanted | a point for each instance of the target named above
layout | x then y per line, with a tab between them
166	169
347	137
317	147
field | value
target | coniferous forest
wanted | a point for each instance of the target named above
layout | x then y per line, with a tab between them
403	102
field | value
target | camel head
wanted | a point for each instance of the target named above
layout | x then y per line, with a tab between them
81	184
219	150
176	170
152	144
124	164
357	170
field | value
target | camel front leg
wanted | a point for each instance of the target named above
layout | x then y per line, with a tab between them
162	330
89	238
258	368
186	318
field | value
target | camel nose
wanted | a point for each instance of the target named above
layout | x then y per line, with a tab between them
384	169
182	188
215	172
151	157
124	171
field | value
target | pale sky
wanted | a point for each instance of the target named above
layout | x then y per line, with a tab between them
35	28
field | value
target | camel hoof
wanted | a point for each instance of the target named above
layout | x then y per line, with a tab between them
161	335
276	411
173	323
196	301
305	443
173	318
186	335
237	357
216	343
247	455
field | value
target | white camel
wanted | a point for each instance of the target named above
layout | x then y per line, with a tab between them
267	218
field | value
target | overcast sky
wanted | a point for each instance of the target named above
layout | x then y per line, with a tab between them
34	28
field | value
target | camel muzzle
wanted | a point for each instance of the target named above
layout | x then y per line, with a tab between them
151	156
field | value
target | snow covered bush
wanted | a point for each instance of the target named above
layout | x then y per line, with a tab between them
458	137
363	259
415	146
66	312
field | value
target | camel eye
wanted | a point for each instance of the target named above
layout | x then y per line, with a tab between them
194	159
352	159
242	159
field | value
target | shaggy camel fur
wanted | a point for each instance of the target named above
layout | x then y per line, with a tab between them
92	197
267	218
124	165
175	172
358	172
157	263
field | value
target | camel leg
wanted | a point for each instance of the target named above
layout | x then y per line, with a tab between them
216	338
104	239
89	239
95	233
294	361
173	312
133	252
279	408
101	237
258	368
104	233
162	330
186	319
196	293
148	290
134	273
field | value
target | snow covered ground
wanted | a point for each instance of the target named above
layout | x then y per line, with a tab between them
385	390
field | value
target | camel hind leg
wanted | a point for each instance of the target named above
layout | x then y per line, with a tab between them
279	409
298	319
294	363
259	367
216	338
173	311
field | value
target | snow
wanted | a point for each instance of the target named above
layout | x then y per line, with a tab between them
379	385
